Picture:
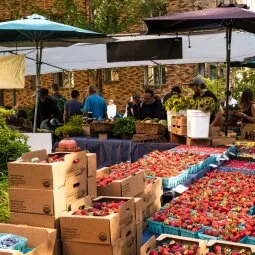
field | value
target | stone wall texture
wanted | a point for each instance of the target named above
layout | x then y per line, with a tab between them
130	79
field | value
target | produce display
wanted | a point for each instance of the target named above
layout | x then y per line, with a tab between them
240	164
174	247
100	208
246	147
201	149
68	145
218	250
118	172
50	159
168	164
220	201
12	242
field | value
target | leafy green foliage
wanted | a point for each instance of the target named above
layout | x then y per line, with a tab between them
152	8
245	79
71	128
4	196
13	143
124	126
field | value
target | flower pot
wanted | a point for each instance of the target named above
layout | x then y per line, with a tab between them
198	123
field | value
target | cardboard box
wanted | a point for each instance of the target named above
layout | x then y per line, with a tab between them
199	141
48	176
71	248
223	141
231	245
128	187
214	132
179	121
98	230
92	187
91	164
128	235
41	239
129	250
248	132
139	207
139	233
177	130
152	243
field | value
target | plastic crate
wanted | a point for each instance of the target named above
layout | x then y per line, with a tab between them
248	240
169	183
252	210
155	226
171	230
189	233
206	237
20	242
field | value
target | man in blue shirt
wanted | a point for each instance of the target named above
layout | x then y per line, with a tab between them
95	104
72	107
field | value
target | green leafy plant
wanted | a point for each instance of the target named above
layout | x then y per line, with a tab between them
205	104
179	103
71	128
124	126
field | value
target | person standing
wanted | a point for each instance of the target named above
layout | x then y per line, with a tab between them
58	98
111	110
175	91
151	107
47	108
73	106
95	104
231	101
247	106
134	105
197	84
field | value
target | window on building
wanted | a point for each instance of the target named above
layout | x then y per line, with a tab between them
201	69
213	72
59	79
111	75
154	75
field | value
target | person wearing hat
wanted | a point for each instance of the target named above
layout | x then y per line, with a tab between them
197	84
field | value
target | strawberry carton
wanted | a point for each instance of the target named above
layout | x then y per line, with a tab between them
171	244
38	170
100	221
222	247
120	183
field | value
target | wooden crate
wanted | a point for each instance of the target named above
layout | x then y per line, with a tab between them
199	141
152	243
177	138
231	245
179	130
179	121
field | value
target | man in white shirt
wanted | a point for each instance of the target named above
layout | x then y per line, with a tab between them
111	110
231	101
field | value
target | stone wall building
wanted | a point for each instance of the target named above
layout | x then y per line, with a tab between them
118	84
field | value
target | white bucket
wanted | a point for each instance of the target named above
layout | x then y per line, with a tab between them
198	123
170	114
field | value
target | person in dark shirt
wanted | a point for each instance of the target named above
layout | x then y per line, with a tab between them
199	87
73	106
176	90
247	107
133	107
47	107
151	107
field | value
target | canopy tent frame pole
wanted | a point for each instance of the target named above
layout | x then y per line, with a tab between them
38	70
228	56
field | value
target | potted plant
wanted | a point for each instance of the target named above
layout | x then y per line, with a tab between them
124	127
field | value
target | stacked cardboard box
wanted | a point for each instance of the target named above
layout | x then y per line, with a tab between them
151	196
91	174
41	240
139	209
114	234
179	125
127	187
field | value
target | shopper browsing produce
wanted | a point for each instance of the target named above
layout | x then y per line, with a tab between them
200	90
247	106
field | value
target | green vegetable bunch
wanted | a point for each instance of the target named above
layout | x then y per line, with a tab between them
124	126
71	128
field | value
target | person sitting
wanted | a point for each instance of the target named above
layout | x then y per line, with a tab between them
176	90
151	107
73	106
247	106
111	110
95	104
200	90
